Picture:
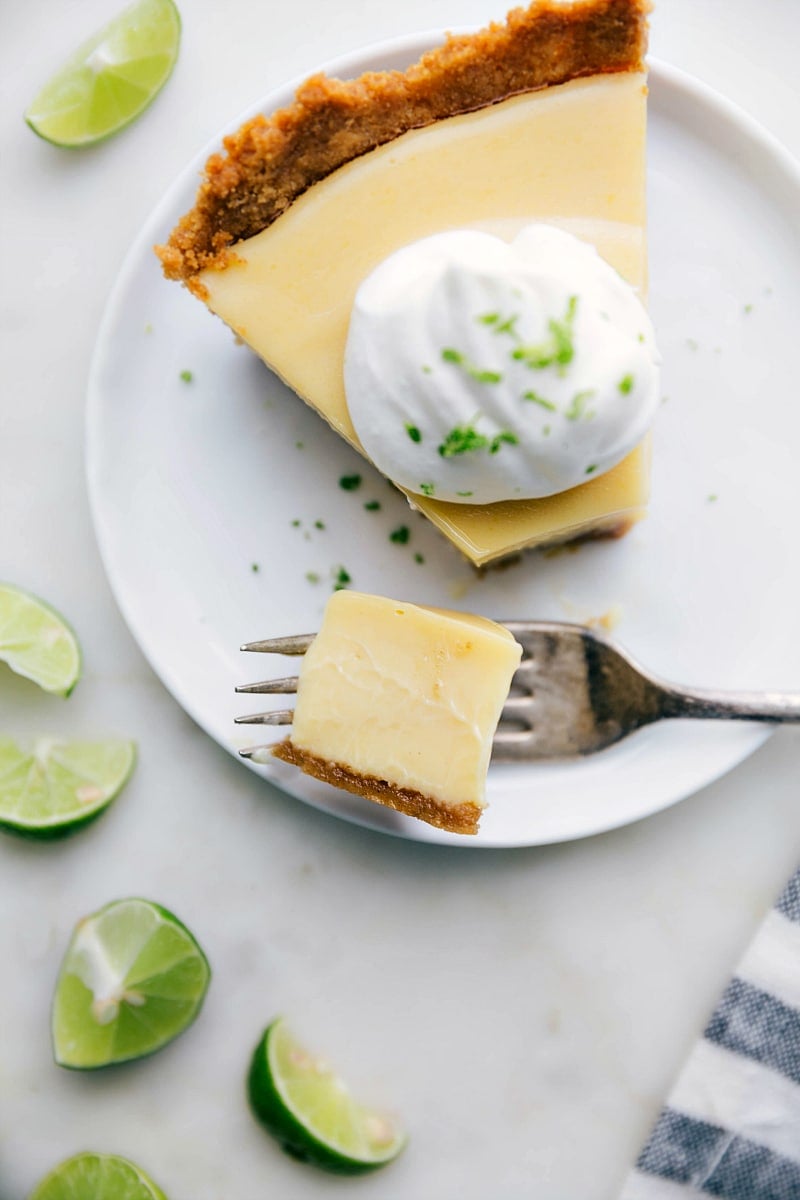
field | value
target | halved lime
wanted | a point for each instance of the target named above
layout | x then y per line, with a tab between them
37	642
55	787
96	1177
132	979
110	78
300	1101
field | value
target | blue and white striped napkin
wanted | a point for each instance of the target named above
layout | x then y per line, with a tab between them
731	1125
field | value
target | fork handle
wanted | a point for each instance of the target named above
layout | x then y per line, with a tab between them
781	707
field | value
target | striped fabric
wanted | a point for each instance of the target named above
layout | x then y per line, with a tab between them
731	1125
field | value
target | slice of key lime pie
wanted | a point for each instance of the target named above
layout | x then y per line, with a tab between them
448	264
399	703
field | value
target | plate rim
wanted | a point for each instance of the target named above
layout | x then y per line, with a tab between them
676	88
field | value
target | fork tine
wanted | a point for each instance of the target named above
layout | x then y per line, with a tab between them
281	716
516	708
272	687
509	737
252	751
281	645
512	744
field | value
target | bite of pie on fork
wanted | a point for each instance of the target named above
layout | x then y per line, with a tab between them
405	705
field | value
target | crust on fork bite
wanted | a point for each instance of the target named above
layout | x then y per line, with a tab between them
273	159
456	818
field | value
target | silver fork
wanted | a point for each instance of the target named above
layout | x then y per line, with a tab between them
574	693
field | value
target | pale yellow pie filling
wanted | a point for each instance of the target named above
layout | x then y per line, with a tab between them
572	154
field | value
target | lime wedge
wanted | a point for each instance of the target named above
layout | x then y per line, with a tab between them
299	1100
111	78
132	979
96	1177
37	642
56	787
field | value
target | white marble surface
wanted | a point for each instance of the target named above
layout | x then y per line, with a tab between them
525	1011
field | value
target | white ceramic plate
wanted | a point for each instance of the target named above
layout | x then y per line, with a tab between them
193	483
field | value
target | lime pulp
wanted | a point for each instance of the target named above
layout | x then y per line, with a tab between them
55	787
36	641
96	1177
111	78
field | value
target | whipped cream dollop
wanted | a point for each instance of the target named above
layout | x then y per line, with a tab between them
479	370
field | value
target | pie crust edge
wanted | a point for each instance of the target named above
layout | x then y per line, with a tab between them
273	159
456	818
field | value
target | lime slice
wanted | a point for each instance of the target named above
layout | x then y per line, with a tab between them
96	1177
56	787
132	979
309	1110
37	642
111	78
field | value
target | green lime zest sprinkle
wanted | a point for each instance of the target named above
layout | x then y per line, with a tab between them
479	374
499	324
312	576
373	506
692	344
536	357
400	535
504	438
640	337
298	445
296	523
712	497
546	431
426	370
748	308
535	398
255	568
465	439
418	558
187	376
508	326
413	432
427	489
350	483
462	439
559	348
625	385
591	469
319	524
341	578
465	493
577	408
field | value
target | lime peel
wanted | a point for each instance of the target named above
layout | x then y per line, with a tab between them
111	78
309	1110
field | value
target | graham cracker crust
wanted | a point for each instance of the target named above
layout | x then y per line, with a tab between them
458	818
273	159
